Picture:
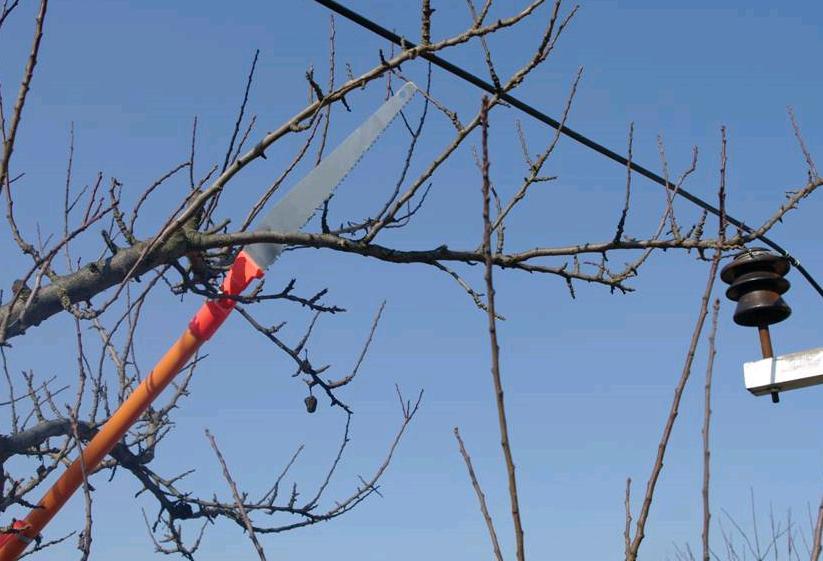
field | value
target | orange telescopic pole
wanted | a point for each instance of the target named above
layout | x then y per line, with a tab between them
207	320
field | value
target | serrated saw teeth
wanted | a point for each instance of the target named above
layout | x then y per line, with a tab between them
297	207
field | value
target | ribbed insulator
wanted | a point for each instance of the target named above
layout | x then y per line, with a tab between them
756	279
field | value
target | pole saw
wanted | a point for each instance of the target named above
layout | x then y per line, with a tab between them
291	213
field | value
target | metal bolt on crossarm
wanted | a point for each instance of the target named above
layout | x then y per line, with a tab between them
756	279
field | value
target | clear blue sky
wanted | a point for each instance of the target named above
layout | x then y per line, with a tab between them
588	381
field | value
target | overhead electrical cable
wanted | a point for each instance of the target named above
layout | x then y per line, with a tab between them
554	123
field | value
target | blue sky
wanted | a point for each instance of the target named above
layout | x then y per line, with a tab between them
589	381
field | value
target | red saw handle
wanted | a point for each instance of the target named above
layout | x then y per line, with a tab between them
204	324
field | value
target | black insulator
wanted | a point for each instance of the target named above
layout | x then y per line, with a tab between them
756	283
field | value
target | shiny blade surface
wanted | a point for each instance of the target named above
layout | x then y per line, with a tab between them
295	209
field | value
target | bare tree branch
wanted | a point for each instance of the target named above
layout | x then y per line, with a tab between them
707	413
481	498
493	344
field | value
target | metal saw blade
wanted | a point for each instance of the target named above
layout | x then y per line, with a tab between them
295	209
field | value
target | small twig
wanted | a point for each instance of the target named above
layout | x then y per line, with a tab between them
16	117
621	224
627	505
426	23
238	500
241	112
481	498
806	154
534	171
85	538
817	535
7	10
707	413
486	51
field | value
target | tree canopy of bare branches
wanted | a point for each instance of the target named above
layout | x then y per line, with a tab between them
117	251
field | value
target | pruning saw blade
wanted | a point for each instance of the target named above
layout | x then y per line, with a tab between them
297	207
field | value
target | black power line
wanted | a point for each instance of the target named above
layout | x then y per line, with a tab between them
540	116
